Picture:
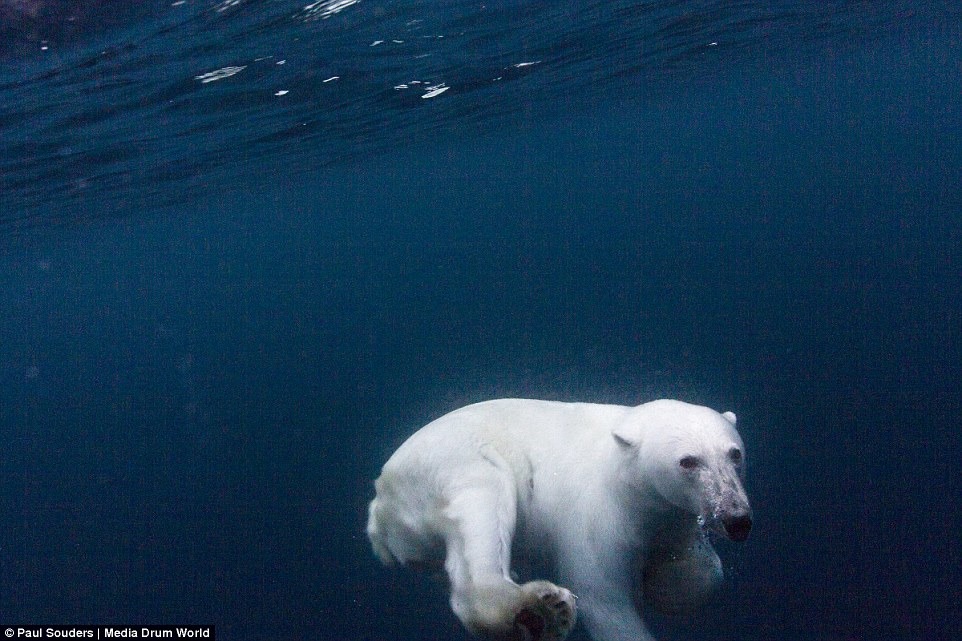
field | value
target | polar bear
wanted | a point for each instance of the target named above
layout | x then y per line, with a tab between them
617	500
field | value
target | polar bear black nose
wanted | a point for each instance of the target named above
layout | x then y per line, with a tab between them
737	527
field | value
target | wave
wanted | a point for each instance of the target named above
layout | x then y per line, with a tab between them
119	106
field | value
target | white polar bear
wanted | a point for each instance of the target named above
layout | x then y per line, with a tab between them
617	499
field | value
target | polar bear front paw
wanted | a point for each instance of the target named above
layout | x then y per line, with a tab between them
547	614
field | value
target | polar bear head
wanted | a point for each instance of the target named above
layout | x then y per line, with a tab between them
693	459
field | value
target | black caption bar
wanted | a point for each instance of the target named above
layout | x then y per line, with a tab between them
97	632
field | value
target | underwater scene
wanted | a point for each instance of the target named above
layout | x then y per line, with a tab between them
248	247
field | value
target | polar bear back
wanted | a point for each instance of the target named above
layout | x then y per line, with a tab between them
543	432
536	440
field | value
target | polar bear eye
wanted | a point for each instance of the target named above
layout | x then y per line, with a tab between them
735	455
689	462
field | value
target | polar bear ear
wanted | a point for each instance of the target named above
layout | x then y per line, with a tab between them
731	417
627	435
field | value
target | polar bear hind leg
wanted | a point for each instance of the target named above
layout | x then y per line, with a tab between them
480	523
395	541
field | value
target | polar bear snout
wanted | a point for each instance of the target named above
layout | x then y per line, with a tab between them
731	513
737	526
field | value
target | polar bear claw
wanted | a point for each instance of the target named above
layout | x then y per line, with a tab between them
548	614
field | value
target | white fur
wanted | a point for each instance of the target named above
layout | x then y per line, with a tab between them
599	491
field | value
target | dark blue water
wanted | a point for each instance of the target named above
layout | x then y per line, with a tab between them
222	308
